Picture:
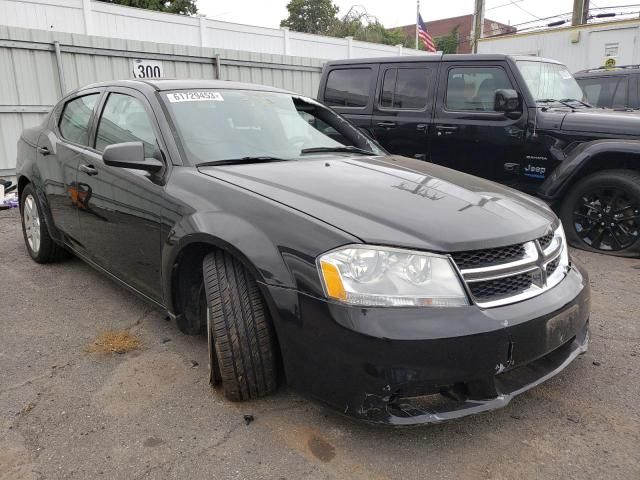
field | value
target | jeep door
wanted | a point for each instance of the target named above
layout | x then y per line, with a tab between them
403	107
468	134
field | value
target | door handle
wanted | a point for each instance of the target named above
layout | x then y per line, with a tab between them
88	169
446	129
44	151
387	124
421	127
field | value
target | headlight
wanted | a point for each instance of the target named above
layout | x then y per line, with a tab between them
380	276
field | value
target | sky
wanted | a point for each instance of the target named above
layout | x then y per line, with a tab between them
392	13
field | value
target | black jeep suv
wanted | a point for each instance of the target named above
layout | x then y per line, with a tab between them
518	120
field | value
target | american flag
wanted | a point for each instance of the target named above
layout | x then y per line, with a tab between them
425	36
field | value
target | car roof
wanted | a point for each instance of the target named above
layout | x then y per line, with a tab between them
177	84
450	57
606	72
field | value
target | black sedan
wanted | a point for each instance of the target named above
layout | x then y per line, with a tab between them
395	290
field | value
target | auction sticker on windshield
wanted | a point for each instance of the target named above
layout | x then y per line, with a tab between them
204	96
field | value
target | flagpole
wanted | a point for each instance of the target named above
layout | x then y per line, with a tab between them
417	16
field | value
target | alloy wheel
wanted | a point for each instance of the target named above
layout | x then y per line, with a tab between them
607	219
31	221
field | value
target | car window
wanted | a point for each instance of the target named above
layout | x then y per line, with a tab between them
605	92
124	119
473	88
348	87
404	88
231	124
74	121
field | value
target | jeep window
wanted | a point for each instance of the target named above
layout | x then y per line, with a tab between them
473	88
74	121
124	119
404	88
348	87
549	81
231	124
605	92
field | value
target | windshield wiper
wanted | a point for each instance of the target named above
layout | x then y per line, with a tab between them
346	148
564	100
235	161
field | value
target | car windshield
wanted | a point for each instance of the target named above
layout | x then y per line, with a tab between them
223	125
549	81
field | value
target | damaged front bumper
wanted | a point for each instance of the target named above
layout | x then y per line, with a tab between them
407	366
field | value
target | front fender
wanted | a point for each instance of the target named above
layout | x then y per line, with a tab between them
555	185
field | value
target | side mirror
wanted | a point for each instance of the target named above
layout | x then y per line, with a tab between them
130	155
507	101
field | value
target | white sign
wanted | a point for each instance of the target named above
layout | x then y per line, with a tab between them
143	68
203	96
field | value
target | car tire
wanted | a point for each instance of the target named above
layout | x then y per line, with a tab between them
241	340
41	247
601	213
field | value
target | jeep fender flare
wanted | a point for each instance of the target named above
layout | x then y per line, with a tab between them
557	183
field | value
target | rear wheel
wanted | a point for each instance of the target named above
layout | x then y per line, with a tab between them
601	213
39	243
241	341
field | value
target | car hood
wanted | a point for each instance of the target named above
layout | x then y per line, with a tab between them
396	201
597	120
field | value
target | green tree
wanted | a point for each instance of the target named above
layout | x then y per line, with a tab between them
310	16
183	7
360	25
448	43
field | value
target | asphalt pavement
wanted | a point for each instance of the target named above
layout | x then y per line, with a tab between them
67	412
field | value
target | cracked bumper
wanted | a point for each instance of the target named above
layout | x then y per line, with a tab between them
405	366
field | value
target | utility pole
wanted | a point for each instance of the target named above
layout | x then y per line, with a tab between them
478	24
417	18
580	12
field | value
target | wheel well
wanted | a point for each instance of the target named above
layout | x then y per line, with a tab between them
602	162
186	280
22	182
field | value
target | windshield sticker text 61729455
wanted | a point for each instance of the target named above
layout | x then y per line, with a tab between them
202	96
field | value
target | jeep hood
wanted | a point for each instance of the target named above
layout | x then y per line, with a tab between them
396	200
596	120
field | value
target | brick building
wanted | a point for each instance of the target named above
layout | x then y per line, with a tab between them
443	27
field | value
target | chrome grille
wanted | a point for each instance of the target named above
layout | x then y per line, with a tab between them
490	256
500	287
498	276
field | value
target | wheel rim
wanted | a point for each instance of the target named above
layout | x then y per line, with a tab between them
607	218
31	221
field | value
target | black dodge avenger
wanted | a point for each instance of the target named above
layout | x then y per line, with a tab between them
395	290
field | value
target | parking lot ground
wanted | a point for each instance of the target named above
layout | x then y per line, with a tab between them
66	412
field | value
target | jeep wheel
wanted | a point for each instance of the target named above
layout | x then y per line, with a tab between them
241	342
601	213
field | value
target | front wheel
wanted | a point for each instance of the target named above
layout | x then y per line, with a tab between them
241	340
601	213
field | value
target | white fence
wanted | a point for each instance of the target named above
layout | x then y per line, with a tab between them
579	48
114	21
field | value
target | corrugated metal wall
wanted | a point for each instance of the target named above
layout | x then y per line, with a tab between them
30	83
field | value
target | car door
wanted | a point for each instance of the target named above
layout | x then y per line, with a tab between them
350	90
121	219
60	148
467	134
403	107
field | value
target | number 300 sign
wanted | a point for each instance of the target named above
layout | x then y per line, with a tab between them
147	68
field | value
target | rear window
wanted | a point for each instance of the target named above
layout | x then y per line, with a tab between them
74	121
348	87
